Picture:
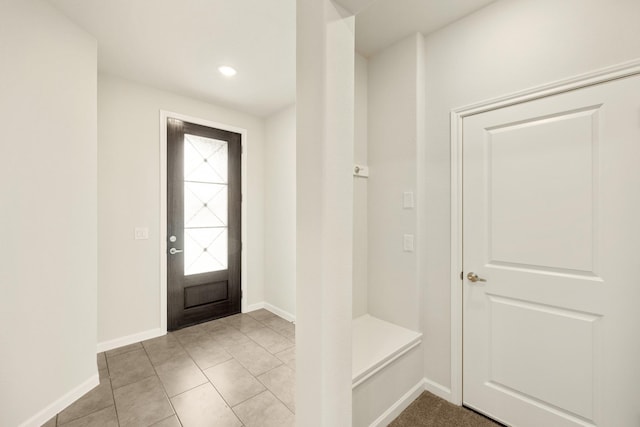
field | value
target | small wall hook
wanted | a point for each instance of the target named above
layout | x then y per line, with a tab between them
361	171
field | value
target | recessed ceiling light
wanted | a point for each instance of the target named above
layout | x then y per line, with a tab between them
225	70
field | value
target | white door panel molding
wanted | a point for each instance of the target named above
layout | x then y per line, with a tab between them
549	186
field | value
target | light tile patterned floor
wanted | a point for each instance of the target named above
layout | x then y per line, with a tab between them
236	371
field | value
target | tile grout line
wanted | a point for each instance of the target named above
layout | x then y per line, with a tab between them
275	395
113	393
132	345
256	376
244	367
282	364
162	384
250	339
180	344
92	412
209	380
272	329
205	375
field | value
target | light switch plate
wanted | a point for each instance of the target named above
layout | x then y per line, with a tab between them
407	200
408	242
141	233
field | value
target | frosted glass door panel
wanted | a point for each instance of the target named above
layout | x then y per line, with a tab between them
205	250
205	160
205	204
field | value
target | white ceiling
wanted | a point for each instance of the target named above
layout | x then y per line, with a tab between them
387	21
177	45
354	6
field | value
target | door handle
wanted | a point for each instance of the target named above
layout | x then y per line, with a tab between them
473	277
174	251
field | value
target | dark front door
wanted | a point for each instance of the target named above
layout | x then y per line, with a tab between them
203	223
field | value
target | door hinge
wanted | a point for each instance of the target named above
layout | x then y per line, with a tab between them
461	275
241	294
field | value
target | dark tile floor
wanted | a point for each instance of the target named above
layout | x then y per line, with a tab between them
431	411
236	371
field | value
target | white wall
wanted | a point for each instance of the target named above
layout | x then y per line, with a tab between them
360	214
129	196
507	47
48	256
390	390
393	131
280	211
324	213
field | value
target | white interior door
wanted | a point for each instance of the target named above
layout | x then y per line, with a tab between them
551	221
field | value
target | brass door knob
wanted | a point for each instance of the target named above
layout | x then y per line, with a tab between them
473	277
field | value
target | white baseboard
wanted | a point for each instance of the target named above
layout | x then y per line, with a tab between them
438	389
130	339
272	308
253	307
154	333
278	311
402	403
59	405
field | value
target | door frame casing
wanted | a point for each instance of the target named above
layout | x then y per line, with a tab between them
164	115
457	115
